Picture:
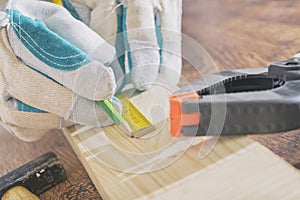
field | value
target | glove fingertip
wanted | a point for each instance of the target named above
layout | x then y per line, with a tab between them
107	85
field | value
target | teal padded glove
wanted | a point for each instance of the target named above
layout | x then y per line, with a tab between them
52	70
146	34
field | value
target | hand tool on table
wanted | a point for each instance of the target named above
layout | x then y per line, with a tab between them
257	101
33	178
139	123
115	117
132	121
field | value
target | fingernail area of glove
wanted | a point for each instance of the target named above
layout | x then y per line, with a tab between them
81	111
4	18
94	82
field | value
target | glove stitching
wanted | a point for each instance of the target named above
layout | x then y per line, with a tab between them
70	65
21	29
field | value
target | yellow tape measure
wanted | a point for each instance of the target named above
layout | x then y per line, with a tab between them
138	123
58	2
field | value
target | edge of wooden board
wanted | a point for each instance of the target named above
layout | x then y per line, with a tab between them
166	193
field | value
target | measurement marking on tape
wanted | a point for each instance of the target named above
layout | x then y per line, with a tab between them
138	123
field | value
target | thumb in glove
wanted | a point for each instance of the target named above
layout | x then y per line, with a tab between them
59	83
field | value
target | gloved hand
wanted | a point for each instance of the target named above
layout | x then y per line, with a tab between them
51	70
148	30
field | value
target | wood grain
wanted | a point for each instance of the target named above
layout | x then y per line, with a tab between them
244	34
237	34
158	166
14	153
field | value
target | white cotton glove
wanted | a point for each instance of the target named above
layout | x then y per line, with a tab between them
149	29
51	70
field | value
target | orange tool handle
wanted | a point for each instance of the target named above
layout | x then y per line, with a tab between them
178	118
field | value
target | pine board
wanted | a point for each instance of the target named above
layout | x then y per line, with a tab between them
236	168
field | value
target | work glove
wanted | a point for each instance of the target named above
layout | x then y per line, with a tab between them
51	70
146	33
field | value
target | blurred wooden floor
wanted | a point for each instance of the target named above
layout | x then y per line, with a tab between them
237	34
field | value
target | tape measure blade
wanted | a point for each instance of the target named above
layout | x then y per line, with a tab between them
138	122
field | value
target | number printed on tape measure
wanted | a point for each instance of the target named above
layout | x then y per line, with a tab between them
136	120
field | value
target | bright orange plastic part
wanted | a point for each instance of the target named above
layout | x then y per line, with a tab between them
178	119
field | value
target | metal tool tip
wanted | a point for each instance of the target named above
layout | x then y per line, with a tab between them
125	128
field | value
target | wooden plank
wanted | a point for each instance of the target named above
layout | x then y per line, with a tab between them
160	167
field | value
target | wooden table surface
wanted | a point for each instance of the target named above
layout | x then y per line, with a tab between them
237	34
